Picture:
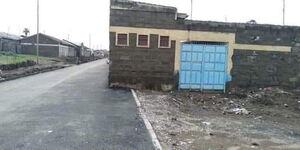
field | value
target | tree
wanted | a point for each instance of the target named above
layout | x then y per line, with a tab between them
252	22
26	31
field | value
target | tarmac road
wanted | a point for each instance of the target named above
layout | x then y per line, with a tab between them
72	109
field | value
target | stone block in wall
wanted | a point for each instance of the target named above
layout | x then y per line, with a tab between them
297	38
296	49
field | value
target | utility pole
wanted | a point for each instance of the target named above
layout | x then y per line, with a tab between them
38	30
90	41
283	13
191	22
191	9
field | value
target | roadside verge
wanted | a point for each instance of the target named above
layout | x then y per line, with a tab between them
149	127
15	74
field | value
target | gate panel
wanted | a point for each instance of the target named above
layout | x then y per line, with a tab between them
203	67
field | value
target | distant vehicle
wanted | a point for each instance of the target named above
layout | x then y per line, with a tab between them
107	61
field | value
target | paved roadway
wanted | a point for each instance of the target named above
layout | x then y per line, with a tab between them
69	109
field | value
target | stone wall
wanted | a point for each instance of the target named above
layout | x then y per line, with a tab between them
160	17
142	18
250	68
132	66
262	68
47	51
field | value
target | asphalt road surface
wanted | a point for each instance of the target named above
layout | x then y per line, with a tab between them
69	109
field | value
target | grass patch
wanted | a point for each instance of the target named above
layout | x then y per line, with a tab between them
11	58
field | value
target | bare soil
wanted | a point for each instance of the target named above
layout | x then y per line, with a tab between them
266	118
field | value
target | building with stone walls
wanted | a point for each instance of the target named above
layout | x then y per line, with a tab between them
48	46
155	47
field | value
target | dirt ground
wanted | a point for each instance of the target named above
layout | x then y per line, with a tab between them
265	119
45	65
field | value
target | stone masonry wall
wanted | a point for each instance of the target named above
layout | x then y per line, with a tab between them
132	15
151	68
47	51
250	68
262	68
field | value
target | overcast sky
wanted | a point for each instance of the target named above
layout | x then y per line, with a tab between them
77	19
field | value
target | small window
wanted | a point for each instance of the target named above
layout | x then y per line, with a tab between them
164	42
122	39
143	41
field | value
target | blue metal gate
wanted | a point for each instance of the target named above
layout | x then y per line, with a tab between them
203	67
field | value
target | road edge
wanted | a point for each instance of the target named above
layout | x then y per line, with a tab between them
33	73
148	125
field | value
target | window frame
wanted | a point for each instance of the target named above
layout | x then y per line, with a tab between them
159	46
117	39
143	46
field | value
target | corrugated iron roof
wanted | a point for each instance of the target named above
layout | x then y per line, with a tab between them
74	44
57	40
63	42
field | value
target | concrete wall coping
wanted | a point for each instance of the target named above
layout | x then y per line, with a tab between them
141	6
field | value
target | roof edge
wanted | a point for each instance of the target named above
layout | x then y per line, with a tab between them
140	6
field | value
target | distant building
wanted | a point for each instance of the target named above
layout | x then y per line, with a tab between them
103	53
81	50
77	48
48	46
9	43
100	53
85	51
